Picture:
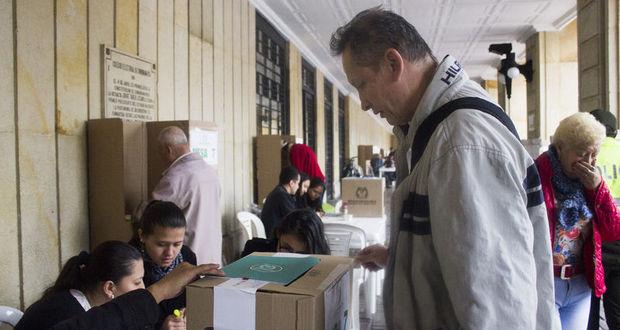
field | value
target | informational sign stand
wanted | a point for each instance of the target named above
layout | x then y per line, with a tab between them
129	86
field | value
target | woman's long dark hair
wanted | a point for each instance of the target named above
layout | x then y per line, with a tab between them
109	261
316	204
308	227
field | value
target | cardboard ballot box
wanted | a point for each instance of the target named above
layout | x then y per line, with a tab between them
364	196
319	299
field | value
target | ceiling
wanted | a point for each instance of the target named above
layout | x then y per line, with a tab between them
462	28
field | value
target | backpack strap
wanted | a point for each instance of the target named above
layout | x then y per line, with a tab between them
428	126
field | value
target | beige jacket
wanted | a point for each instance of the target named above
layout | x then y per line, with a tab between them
193	186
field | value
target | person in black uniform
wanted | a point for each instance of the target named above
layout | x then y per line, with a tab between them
87	281
281	200
138	309
159	237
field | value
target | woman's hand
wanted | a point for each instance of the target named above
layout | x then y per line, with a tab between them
588	174
173	322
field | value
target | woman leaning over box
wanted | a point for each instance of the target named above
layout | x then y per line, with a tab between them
581	214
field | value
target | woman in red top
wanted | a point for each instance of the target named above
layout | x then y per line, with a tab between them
304	159
581	214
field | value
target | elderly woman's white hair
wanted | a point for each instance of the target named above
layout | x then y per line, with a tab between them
578	132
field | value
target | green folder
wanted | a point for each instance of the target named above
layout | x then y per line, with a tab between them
281	270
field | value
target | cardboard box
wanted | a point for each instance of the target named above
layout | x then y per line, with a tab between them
206	132
364	196
123	168
317	300
116	177
269	160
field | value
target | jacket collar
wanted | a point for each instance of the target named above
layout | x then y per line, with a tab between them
182	159
446	81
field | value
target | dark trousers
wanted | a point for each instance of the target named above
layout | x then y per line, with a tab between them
611	302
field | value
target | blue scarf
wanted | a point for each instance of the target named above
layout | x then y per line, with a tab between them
572	204
157	273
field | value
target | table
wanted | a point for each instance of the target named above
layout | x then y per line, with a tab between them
375	230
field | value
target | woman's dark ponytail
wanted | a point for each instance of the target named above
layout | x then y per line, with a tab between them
110	261
71	276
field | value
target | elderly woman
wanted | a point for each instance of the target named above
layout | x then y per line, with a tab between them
581	214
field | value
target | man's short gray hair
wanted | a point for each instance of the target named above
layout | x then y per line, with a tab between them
373	31
172	136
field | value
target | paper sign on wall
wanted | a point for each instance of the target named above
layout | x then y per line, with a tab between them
204	143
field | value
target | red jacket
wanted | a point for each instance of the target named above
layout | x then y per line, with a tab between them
304	159
605	223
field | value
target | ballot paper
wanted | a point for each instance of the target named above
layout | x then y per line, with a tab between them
282	270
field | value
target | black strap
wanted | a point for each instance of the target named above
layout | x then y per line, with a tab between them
428	126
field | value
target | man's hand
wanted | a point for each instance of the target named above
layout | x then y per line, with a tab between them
374	257
172	284
588	174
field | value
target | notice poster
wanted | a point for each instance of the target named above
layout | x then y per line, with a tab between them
130	86
204	142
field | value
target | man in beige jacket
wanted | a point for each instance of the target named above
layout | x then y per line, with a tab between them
193	186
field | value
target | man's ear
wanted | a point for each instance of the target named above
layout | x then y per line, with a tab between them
170	149
394	62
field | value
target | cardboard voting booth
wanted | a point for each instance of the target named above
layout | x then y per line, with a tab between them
269	160
318	299
124	166
116	177
364	196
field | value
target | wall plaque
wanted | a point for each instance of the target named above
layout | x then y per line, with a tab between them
130	86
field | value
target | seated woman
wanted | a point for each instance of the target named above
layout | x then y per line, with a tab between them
160	239
314	196
300	195
301	231
86	281
581	214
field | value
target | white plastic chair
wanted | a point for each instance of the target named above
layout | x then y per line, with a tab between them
338	206
342	238
252	224
10	315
